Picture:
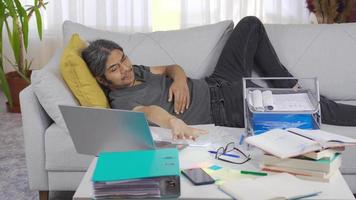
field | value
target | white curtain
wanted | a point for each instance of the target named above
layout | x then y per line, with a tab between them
117	15
199	12
135	15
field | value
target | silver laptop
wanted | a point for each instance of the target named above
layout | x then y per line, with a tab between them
95	129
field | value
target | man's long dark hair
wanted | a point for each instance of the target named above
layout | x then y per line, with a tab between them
96	55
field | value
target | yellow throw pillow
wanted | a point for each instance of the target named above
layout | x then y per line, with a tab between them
79	79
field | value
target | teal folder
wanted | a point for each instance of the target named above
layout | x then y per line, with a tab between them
118	166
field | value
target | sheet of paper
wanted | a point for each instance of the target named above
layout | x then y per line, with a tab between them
217	136
292	102
163	134
269	187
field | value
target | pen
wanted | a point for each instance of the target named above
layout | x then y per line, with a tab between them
253	173
226	154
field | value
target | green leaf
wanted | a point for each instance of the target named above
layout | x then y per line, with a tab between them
8	30
2	10
39	22
45	4
19	8
29	8
29	65
25	31
12	12
11	8
4	86
2	21
15	40
24	22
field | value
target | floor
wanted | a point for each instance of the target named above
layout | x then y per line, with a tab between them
13	171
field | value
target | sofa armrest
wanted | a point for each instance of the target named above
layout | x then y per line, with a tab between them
35	121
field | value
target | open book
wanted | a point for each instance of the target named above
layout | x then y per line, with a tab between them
278	186
266	101
294	141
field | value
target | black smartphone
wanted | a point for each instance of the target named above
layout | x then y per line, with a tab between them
198	176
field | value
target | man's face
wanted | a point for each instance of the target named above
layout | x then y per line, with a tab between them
118	72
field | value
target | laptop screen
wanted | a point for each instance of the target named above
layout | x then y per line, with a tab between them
96	129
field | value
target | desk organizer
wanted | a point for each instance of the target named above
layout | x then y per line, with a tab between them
286	107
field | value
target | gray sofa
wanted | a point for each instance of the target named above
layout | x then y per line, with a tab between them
325	51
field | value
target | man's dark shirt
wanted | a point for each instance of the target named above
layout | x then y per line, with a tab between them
154	91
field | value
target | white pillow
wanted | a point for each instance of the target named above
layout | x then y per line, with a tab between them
51	90
196	49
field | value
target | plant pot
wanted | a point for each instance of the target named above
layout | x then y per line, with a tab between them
16	84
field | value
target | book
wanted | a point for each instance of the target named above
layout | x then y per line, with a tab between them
276	186
326	153
300	173
323	165
294	141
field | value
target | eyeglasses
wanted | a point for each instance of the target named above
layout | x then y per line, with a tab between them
221	151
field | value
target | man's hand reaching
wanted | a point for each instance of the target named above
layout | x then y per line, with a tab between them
181	130
179	90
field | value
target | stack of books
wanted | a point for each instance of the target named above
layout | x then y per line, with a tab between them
316	166
308	154
137	174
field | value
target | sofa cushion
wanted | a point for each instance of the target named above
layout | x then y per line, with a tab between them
325	51
51	90
195	49
78	77
60	152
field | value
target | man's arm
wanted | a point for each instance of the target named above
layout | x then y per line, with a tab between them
176	72
161	117
179	89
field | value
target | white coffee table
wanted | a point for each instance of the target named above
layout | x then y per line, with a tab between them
337	188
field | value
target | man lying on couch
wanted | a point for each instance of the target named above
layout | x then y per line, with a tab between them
170	99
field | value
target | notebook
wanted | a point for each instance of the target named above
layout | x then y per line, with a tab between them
278	186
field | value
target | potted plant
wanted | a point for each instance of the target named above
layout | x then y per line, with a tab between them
15	17
331	11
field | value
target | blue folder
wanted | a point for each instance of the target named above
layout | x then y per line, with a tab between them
262	122
117	166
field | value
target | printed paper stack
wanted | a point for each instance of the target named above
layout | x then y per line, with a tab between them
139	188
309	154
